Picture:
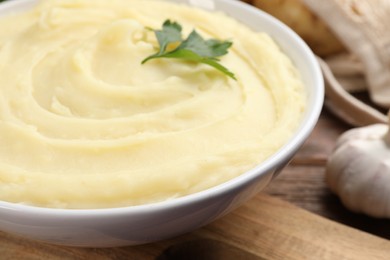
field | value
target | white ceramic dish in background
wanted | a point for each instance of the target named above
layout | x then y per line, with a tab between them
147	223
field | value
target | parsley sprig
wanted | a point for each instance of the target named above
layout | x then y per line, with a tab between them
193	48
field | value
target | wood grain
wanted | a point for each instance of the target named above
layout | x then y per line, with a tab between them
266	227
302	183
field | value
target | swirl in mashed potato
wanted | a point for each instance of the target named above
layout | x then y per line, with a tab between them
84	125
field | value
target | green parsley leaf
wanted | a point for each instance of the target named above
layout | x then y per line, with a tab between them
194	48
171	33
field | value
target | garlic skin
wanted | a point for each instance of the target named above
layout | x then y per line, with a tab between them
358	171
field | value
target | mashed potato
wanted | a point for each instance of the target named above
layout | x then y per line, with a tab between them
84	125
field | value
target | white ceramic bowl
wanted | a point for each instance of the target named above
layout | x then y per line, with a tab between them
147	223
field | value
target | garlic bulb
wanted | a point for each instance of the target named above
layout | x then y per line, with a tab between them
358	171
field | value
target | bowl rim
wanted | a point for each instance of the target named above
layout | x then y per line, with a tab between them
305	128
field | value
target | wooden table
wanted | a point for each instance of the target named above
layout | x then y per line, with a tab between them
302	182
264	227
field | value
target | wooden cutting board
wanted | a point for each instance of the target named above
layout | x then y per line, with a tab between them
266	227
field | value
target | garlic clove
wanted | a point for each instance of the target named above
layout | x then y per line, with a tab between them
371	132
358	170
